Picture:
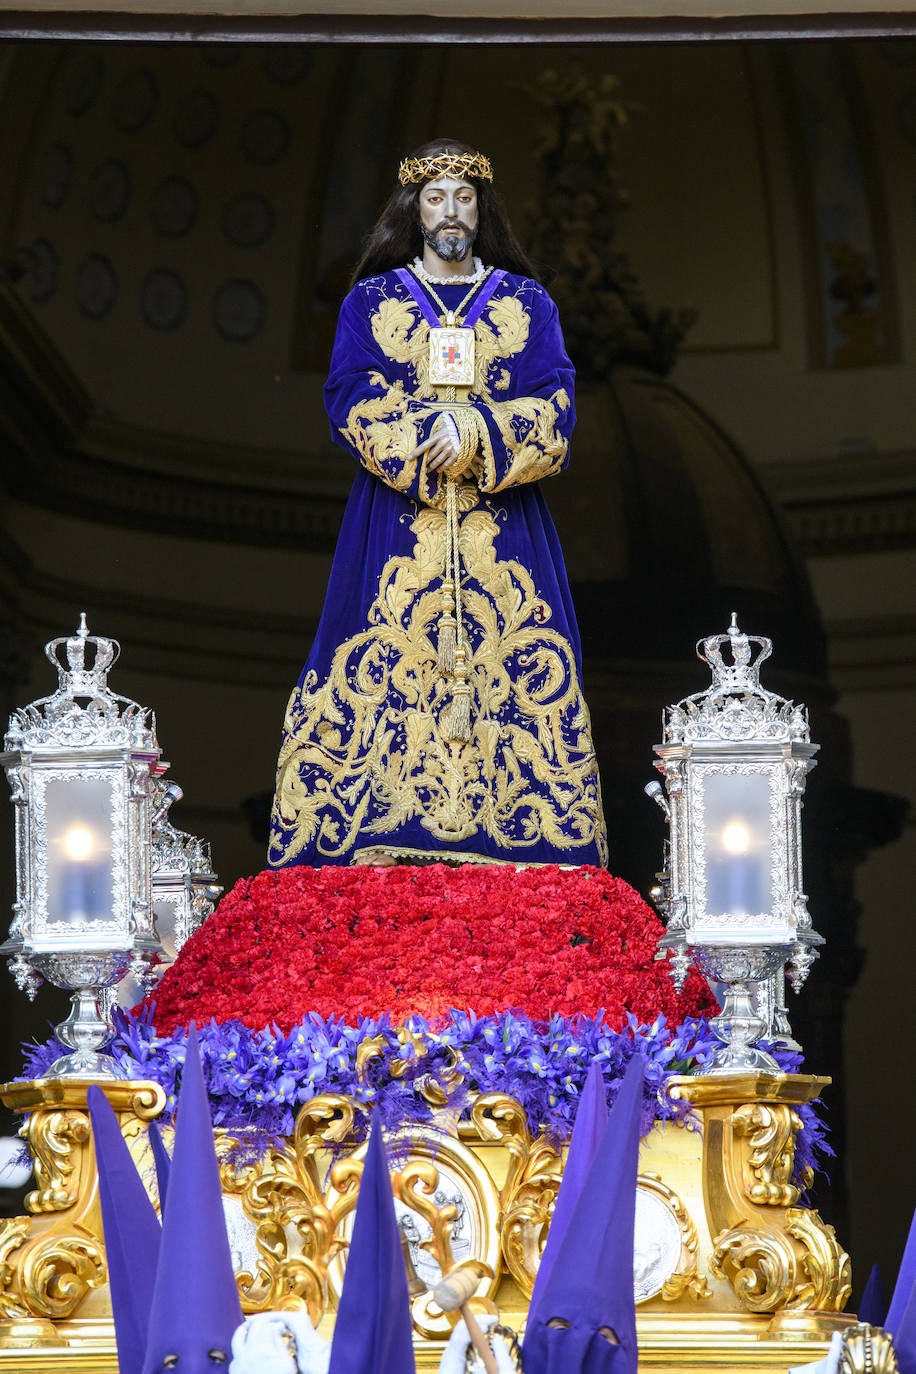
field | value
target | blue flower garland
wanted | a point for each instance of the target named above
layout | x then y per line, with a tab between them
258	1080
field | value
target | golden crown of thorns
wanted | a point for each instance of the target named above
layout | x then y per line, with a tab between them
458	165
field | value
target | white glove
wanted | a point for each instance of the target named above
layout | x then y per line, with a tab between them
459	1342
829	1364
279	1343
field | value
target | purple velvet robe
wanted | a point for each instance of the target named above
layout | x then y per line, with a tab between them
367	762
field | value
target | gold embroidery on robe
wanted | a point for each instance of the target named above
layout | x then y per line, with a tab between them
369	740
383	432
542	450
403	335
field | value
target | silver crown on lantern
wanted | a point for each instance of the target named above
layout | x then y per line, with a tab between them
735	758
63	721
735	707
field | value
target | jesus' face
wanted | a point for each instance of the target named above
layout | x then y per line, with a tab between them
448	217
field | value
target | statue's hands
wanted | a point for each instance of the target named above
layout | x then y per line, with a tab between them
441	452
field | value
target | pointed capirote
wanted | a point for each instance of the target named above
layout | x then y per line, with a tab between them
586	1317
372	1331
905	1337
905	1284
161	1160
588	1132
872	1307
195	1301
132	1233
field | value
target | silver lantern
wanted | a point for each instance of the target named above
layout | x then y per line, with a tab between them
185	891
735	760
79	765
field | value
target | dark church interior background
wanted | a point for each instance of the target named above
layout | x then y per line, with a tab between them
178	226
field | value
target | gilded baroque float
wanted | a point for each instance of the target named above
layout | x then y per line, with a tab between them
731	1268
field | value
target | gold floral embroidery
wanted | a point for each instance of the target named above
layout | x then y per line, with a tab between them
403	335
540	452
383	433
502	336
364	753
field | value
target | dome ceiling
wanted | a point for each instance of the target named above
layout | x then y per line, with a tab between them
187	217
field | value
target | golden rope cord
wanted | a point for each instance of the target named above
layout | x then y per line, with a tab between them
458	165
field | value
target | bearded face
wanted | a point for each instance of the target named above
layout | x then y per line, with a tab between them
448	218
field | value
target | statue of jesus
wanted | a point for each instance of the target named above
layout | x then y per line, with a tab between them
440	714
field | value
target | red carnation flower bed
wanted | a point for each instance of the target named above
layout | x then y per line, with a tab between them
363	941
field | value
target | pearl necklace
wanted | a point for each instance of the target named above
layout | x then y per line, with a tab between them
475	276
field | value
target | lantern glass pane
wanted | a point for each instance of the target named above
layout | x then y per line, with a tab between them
165	915
80	863
737	844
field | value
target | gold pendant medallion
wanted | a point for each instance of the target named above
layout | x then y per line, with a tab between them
451	357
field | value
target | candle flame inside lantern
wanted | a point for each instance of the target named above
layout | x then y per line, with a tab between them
79	843
736	838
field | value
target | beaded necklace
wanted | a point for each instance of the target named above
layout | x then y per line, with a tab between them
419	270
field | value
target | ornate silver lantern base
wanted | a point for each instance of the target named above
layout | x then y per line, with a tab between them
770	998
740	1022
85	1031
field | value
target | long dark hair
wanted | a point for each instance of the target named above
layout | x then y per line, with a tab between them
395	239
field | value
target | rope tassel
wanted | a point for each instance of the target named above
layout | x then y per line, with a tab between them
458	728
448	630
458	717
